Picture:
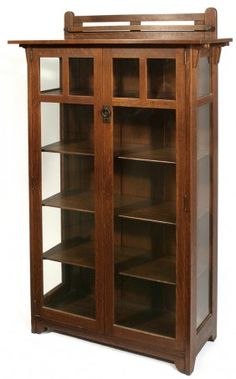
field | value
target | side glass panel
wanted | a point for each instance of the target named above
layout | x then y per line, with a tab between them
203	212
68	208
81	76
126	77
50	74
145	219
203	77
161	78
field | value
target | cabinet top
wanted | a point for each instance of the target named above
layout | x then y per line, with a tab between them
116	41
159	29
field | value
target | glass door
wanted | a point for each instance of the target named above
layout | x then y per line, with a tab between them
70	185
145	219
146	169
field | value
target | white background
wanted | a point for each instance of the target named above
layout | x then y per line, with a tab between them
52	355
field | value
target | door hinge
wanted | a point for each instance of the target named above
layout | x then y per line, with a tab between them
33	183
31	55
186	202
185	56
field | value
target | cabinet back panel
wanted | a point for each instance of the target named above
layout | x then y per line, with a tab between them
77	123
148	180
152	127
78	173
77	225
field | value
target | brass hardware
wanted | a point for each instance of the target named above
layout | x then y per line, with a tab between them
106	114
186	202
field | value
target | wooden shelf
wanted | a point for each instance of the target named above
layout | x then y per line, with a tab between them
53	91
81	92
147	153
126	206
74	252
68	301
129	152
161	270
82	253
83	202
129	256
162	322
139	208
76	148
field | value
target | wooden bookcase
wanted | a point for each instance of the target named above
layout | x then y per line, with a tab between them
123	182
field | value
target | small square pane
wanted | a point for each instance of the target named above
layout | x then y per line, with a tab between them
161	78
125	77
50	76
81	76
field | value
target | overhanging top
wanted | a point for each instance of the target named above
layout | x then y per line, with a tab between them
117	41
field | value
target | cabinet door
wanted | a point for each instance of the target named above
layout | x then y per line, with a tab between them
65	164
144	144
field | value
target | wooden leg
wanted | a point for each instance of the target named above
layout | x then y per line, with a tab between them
180	364
212	337
184	365
214	333
37	326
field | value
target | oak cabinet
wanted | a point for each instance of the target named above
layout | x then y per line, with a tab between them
123	183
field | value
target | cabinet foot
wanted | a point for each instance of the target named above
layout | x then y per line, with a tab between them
38	326
212	337
186	366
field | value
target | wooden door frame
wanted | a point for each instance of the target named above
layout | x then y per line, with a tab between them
162	343
38	311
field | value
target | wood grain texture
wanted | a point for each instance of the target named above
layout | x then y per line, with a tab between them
75	148
34	138
128	193
202	25
161	270
142	38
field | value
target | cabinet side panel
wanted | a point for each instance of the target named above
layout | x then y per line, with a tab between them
214	193
34	185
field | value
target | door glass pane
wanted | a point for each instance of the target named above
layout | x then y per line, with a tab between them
203	77
81	76
161	78
50	82
68	208
203	212
125	77
145	219
75	137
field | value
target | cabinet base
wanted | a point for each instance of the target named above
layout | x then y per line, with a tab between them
212	338
176	357
38	326
185	366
